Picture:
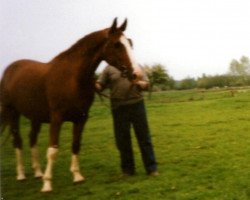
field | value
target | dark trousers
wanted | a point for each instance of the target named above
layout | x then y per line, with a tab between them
123	118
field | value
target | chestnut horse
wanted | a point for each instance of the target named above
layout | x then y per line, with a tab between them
60	90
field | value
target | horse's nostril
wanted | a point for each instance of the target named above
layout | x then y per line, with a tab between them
134	76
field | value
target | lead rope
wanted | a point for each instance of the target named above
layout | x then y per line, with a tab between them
101	95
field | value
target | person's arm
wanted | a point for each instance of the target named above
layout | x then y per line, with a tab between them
101	82
98	86
144	85
141	80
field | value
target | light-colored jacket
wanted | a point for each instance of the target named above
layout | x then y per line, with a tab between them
122	90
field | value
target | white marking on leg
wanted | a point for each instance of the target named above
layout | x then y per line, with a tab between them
35	162
19	165
75	169
51	156
129	50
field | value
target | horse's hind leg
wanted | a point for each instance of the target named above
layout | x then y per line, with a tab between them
35	129
17	143
74	168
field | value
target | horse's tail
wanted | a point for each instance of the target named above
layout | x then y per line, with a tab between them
3	120
4	115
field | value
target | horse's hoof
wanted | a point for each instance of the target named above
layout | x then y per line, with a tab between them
79	181
78	178
46	190
21	178
38	175
46	187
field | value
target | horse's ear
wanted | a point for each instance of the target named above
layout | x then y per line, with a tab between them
124	25
113	28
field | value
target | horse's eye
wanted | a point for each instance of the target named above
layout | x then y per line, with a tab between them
117	45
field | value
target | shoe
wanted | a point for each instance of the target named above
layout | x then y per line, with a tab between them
154	173
126	175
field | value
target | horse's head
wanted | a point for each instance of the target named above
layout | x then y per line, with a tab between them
118	50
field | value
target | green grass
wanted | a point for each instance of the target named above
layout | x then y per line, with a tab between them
201	141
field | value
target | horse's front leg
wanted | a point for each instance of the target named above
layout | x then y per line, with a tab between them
74	168
55	125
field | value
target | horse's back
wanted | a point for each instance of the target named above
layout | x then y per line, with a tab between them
23	88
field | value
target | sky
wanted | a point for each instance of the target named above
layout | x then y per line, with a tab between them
188	37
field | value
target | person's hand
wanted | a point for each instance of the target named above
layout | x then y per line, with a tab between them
142	84
98	86
137	74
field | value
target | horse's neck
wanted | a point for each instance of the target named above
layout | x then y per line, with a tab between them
87	70
91	59
82	58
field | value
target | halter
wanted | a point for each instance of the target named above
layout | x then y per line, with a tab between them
125	74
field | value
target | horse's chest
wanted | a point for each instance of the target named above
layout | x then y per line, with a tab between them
69	91
76	110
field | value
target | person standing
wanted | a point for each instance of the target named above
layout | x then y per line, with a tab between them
128	110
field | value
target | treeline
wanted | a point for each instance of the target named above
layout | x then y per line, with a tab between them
238	75
208	82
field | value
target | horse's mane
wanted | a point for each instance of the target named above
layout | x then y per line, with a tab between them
87	44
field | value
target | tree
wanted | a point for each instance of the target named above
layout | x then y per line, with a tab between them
158	76
241	67
187	83
241	70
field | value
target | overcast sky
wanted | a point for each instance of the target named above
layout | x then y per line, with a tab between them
189	37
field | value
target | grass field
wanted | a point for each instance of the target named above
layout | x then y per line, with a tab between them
201	140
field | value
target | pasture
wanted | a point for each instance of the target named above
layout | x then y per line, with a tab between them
201	141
